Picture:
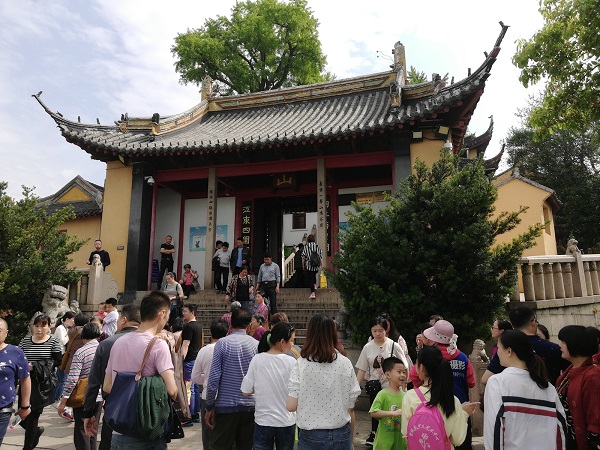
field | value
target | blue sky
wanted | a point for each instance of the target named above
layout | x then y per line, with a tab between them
101	58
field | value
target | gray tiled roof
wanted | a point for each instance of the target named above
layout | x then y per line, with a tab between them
294	115
81	208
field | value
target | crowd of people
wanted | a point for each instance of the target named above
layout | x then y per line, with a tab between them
253	387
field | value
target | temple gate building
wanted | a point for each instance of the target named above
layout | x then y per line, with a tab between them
236	166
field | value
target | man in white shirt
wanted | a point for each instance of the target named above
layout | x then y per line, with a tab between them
218	329
109	325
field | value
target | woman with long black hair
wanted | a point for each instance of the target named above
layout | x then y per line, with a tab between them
438	390
522	408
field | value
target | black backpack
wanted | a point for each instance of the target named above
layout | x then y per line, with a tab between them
314	260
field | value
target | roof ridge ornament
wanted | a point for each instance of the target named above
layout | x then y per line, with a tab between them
399	67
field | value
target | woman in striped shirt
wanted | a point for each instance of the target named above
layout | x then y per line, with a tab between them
80	369
44	353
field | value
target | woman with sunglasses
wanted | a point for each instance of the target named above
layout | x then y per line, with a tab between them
267	380
498	327
323	390
370	361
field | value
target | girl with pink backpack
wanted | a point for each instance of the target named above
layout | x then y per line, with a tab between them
432	417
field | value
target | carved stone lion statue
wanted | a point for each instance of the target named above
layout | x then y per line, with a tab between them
54	303
572	248
96	261
479	354
342	320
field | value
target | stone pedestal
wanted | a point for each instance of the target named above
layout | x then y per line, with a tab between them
101	285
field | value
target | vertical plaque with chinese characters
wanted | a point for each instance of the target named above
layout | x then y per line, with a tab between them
247	222
328	213
210	217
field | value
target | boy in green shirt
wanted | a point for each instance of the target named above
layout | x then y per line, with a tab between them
387	407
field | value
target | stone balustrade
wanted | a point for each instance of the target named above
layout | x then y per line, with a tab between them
78	290
93	287
560	276
288	268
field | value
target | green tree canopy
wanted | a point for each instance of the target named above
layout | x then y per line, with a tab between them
415	76
431	251
566	52
34	256
569	163
266	44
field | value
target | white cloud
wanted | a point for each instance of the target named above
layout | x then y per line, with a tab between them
101	59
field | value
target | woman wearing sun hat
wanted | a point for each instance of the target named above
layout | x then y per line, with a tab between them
441	334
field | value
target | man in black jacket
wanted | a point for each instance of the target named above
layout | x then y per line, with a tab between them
240	256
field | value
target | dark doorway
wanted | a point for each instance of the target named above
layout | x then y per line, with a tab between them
268	223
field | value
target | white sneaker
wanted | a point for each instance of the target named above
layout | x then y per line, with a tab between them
312	295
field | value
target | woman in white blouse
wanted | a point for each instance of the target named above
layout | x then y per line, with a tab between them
371	358
323	390
67	321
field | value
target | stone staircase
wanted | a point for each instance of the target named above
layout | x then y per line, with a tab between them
294	302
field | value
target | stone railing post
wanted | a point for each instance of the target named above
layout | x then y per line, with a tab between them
95	285
568	279
548	282
559	285
588	277
538	282
579	287
528	287
73	285
594	275
479	361
83	289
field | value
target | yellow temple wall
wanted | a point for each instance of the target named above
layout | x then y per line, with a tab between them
427	151
517	193
115	218
82	228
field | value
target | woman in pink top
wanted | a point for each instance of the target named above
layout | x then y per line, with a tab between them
260	307
189	280
256	326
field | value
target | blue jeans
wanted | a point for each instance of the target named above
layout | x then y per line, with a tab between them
62	377
283	437
336	439
194	388
119	442
4	420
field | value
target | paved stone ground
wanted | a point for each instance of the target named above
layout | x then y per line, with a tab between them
59	434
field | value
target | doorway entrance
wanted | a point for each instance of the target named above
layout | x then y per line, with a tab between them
269	225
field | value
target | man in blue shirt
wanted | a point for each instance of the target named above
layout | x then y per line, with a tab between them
524	319
229	414
13	367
